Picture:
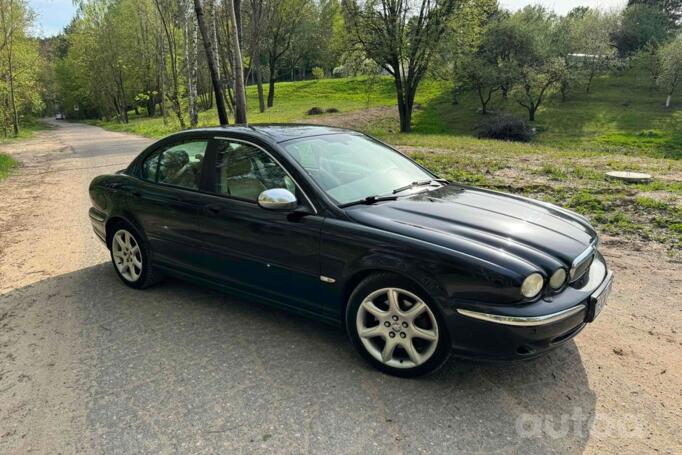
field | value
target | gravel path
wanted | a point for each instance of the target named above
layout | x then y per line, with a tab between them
88	365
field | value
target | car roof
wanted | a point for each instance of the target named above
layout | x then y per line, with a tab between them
276	132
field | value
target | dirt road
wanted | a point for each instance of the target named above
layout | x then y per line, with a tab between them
88	365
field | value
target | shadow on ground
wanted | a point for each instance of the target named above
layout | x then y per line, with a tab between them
178	368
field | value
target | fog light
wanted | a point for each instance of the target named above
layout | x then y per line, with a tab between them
532	285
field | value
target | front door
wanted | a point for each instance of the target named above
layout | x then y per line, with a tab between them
268	253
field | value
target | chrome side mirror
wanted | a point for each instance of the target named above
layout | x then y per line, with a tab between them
277	199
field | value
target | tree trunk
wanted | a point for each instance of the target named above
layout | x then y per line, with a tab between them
484	101
271	91
259	81
212	65
668	101
190	65
403	108
10	79
162	69
589	82
531	112
237	6
240	93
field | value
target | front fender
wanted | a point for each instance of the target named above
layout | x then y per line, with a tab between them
349	250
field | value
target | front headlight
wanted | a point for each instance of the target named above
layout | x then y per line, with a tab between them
558	279
532	285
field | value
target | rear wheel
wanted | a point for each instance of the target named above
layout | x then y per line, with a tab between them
395	327
131	259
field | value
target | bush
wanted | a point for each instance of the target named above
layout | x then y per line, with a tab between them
332	110
318	73
505	128
315	111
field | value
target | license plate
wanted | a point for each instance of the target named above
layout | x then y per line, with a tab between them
599	298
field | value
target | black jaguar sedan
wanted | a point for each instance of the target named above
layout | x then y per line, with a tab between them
333	224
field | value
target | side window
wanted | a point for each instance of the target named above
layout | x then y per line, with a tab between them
244	171
180	165
149	167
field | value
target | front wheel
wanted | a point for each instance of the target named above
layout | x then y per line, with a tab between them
131	258
395	327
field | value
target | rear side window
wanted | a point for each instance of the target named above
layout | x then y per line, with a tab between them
178	165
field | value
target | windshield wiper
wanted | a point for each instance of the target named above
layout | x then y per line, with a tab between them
419	183
369	200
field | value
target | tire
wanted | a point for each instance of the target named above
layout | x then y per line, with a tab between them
131	258
408	342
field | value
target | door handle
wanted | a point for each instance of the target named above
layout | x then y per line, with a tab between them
212	209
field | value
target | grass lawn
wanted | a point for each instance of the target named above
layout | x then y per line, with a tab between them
7	163
621	125
28	127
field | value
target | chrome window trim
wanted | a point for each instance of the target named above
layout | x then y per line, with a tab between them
581	257
225	138
524	321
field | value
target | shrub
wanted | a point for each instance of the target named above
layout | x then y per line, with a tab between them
505	128
318	73
315	111
332	110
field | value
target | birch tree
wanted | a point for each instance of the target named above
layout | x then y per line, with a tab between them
670	78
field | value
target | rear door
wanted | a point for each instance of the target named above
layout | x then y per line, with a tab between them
168	202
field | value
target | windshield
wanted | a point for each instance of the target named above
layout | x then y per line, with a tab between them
350	167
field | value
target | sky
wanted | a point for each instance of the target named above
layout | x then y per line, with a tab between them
564	6
51	15
54	15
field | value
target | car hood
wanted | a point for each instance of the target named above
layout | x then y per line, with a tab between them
473	219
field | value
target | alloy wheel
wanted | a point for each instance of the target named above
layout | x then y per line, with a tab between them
397	328
125	251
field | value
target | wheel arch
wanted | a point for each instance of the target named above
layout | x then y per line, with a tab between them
115	220
359	276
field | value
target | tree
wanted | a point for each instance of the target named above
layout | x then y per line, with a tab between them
670	8
284	17
19	66
401	37
168	11
640	25
255	22
508	45
482	76
535	83
670	78
542	66
239	90
590	45
212	64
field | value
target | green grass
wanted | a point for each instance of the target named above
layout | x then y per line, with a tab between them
621	125
7	163
29	126
623	113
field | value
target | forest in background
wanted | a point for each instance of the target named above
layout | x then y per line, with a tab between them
153	58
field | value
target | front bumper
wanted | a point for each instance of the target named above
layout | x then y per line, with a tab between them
491	332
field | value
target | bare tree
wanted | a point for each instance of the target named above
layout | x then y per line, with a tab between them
401	39
190	39
239	89
165	9
212	64
284	17
255	29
